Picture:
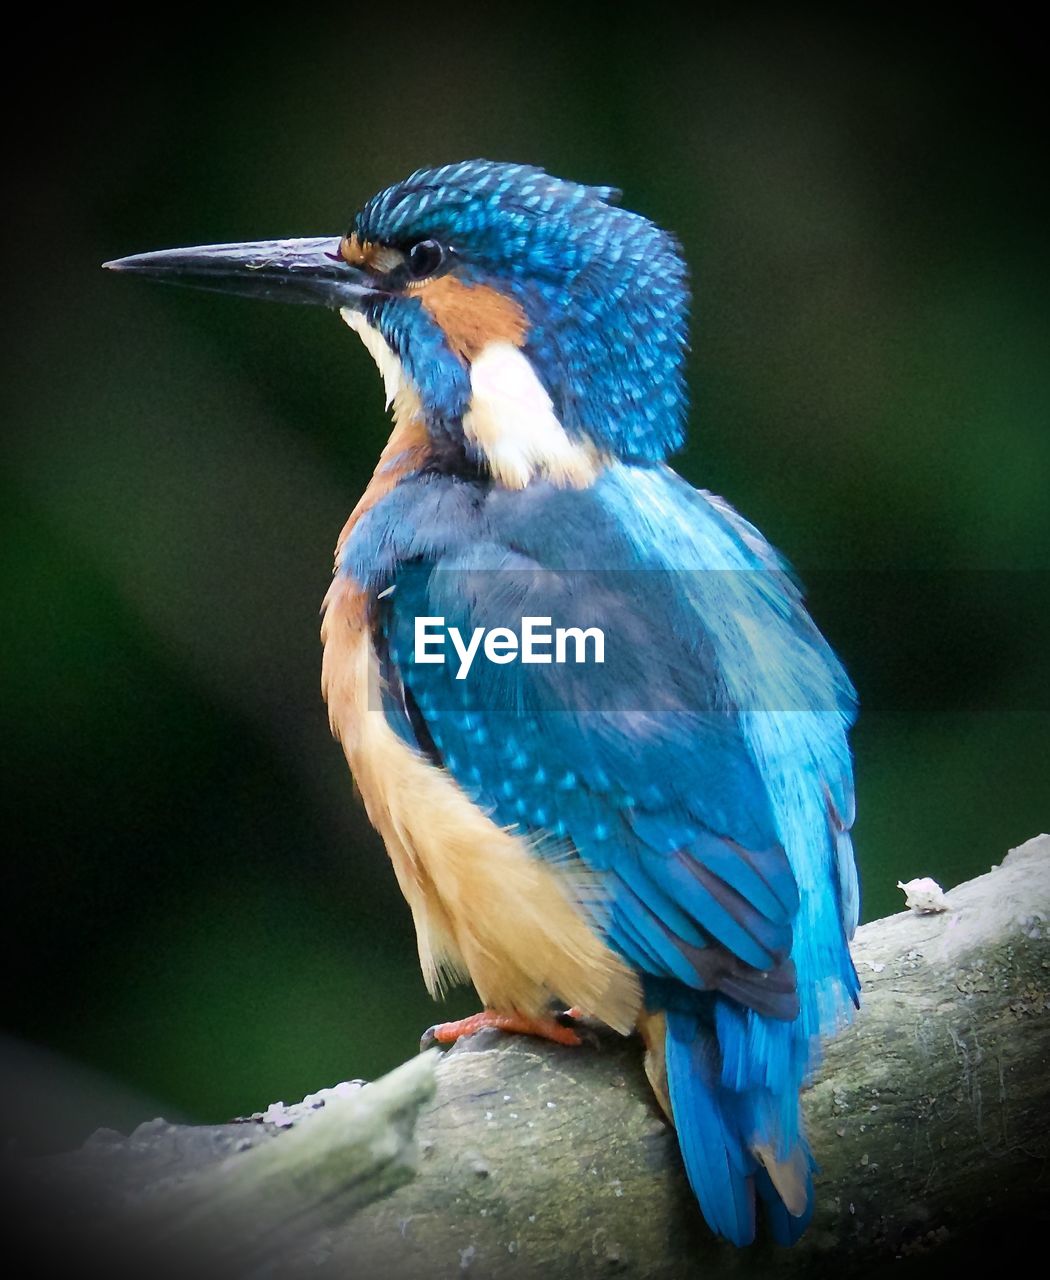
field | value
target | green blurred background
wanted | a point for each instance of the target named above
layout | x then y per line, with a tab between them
197	908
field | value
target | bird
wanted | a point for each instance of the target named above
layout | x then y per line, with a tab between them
658	837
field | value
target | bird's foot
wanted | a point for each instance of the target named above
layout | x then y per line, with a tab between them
446	1033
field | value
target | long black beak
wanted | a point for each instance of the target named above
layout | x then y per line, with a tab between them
309	271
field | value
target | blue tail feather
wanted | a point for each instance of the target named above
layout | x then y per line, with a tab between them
719	1168
717	1124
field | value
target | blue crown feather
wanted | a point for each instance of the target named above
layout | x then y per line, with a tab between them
604	290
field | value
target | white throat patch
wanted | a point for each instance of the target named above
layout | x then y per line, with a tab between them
398	386
512	421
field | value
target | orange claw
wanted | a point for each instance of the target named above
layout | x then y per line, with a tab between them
512	1023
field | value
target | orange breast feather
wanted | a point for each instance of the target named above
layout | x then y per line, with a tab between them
484	904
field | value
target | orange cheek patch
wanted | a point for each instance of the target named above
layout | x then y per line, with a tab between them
472	316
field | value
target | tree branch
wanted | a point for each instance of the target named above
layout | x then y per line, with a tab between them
930	1119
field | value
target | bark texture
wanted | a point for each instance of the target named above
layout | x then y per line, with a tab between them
511	1157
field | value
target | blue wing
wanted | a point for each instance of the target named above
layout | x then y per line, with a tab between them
646	768
655	794
702	772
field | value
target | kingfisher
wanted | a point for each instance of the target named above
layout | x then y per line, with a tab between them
655	834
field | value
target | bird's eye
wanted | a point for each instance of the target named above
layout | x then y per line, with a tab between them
425	258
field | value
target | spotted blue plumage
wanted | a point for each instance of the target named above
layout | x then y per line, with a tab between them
604	291
703	773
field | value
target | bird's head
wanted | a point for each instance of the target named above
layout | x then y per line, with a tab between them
526	321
